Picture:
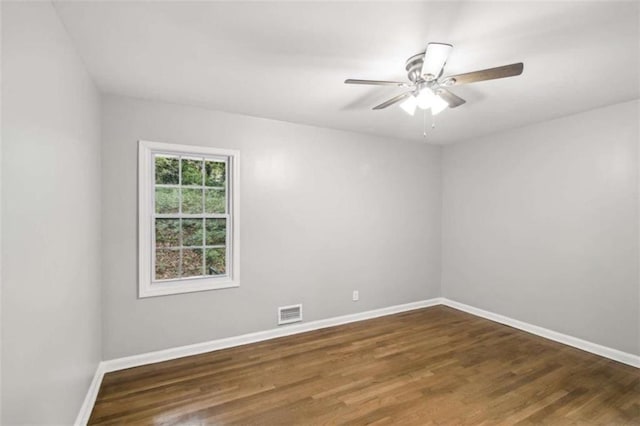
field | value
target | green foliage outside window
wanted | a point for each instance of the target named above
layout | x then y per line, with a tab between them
167	170
215	173
216	232
215	261
192	232
191	172
215	201
167	200
192	201
167	232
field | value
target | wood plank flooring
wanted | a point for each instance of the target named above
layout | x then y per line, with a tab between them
430	366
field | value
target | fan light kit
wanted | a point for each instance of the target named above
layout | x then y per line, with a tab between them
424	99
428	88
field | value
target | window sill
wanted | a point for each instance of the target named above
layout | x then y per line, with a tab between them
165	289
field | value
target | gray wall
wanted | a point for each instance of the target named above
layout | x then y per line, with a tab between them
541	224
323	213
50	219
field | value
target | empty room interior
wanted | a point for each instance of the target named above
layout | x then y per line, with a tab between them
304	213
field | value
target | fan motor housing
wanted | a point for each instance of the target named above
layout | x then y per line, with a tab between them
414	67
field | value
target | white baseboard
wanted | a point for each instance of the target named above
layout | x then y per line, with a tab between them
604	351
288	330
90	398
213	345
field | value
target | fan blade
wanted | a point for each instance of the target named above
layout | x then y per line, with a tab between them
450	98
435	56
393	100
482	75
376	82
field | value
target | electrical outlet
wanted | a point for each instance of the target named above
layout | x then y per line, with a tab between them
356	295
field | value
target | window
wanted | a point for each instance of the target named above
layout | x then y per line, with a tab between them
188	218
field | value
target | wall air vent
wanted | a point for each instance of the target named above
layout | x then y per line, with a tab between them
289	314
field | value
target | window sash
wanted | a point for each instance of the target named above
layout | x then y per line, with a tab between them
181	247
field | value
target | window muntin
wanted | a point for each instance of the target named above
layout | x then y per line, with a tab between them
192	231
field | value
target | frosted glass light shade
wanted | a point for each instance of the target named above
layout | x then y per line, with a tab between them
438	105
410	105
425	98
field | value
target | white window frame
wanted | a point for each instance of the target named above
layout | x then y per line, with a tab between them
147	286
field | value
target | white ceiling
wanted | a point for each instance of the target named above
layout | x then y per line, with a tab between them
287	61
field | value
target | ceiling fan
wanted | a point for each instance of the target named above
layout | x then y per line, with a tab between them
428	89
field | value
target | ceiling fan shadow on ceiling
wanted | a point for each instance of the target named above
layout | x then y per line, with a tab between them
428	89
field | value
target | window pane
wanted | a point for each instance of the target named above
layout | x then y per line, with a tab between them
192	262
192	232
167	200
191	201
167	264
167	170
215	201
216	232
215	262
215	172
191	172
167	232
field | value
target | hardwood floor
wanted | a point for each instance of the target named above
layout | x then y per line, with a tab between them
430	366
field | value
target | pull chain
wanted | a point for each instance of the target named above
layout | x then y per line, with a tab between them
424	123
